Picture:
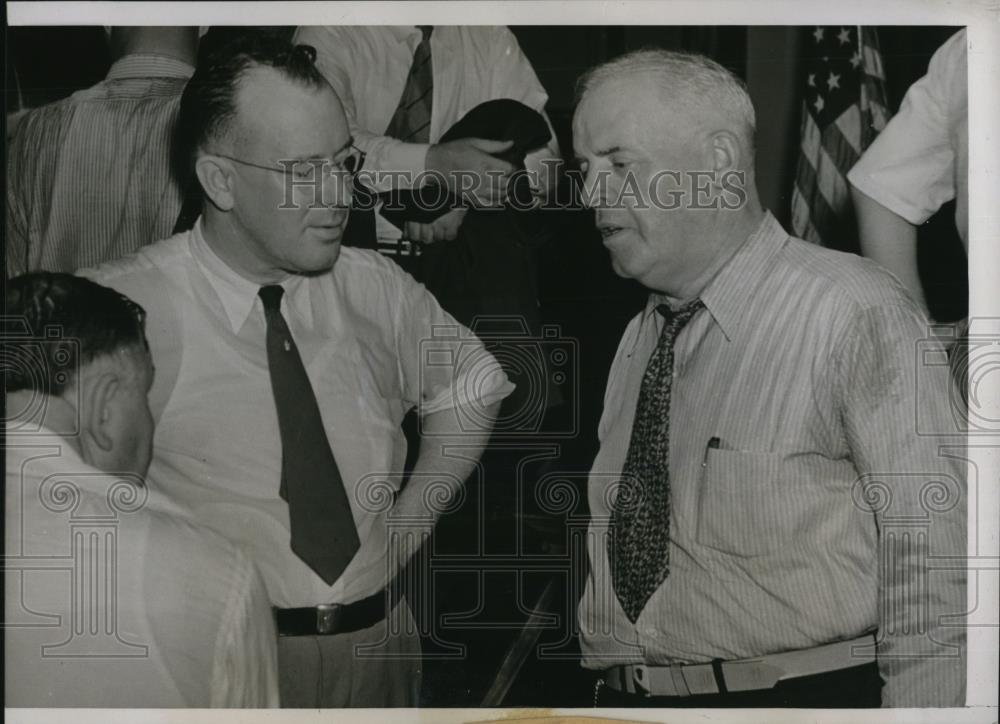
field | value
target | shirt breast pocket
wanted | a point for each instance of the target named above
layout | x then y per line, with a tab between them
742	503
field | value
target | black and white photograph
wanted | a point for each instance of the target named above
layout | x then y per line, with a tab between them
550	361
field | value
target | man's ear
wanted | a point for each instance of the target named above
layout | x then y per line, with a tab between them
727	154
216	177
98	417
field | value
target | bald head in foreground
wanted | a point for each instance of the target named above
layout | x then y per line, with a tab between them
767	423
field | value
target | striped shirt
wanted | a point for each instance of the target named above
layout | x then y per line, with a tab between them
88	177
811	447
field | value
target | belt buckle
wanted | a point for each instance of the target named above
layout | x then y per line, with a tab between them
327	617
637	679
408	247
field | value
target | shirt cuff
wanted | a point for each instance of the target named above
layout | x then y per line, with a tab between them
480	387
408	158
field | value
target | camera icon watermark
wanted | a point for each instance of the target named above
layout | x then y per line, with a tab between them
544	367
44	362
967	360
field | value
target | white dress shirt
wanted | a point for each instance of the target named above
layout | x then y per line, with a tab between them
368	66
834	481
111	603
371	341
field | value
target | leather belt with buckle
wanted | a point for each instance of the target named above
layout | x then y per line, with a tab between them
400	247
720	677
333	618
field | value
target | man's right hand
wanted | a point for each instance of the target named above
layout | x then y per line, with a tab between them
469	167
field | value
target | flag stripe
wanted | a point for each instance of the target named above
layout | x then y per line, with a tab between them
841	152
847	113
810	186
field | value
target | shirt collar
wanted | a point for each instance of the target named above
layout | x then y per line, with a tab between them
410	35
148	65
237	294
728	294
404	32
64	461
23	445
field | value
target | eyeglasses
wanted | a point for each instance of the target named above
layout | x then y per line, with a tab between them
309	171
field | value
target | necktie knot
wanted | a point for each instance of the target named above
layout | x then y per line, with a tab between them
426	30
675	320
271	297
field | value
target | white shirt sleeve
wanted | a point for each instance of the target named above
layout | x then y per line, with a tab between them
443	365
910	167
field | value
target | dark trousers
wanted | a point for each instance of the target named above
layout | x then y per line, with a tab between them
859	687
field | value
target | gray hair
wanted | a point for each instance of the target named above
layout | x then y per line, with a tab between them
686	79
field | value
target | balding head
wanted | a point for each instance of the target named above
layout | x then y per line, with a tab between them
691	84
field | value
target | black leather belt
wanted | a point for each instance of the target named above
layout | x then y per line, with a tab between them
334	618
400	247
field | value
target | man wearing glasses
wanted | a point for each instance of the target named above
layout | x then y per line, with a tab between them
285	364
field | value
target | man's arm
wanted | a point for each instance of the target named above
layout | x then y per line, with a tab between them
449	451
890	240
18	239
457	387
894	403
402	162
908	171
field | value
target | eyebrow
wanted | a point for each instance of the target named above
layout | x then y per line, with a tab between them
601	152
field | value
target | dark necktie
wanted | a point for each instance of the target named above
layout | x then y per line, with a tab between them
412	120
323	532
639	536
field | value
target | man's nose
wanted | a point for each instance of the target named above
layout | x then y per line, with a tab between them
594	189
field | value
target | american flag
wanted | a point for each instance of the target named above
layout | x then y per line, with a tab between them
843	109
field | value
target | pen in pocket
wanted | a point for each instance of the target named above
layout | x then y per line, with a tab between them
714	444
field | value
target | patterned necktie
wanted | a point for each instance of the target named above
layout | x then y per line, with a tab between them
323	532
639	536
412	120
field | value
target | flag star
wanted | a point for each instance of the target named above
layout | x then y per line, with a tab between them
826	58
833	81
288	346
818	34
819	104
812	80
844	36
856	59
